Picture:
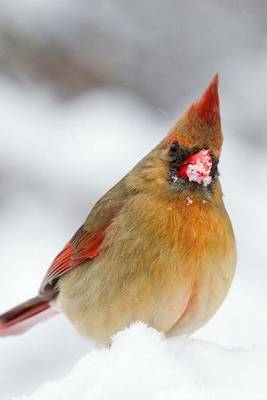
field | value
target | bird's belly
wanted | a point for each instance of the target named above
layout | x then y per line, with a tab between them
208	292
168	298
103	307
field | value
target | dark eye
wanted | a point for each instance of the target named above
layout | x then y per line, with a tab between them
174	148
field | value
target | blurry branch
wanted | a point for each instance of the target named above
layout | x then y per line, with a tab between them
24	59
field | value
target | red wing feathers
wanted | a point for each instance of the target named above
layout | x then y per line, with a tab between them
82	247
87	241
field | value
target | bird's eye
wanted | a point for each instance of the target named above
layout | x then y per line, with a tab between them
174	149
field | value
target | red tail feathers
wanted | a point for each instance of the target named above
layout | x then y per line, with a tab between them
24	316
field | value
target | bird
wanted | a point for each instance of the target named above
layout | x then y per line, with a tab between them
158	247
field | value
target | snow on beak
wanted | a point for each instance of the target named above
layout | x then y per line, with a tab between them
197	168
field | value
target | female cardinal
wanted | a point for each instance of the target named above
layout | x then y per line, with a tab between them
158	247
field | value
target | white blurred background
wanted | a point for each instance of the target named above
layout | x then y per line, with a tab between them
86	89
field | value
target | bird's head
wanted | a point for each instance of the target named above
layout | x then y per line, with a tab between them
186	160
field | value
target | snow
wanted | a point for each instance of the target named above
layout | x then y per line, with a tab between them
175	178
198	170
56	160
189	201
142	364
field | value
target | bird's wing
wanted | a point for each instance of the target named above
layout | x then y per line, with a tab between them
86	243
82	247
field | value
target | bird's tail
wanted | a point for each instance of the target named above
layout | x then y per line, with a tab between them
24	316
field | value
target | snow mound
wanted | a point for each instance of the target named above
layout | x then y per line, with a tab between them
142	364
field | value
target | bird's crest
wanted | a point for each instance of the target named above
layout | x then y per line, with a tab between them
200	126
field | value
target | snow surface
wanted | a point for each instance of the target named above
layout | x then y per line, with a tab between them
141	364
59	159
